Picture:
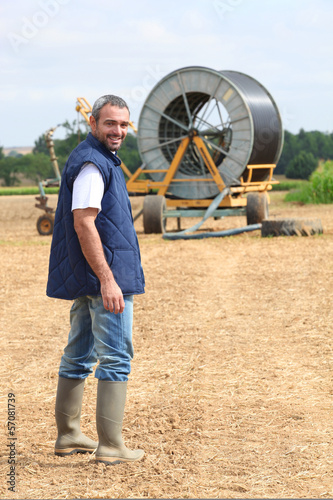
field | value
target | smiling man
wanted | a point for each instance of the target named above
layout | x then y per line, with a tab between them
95	261
110	125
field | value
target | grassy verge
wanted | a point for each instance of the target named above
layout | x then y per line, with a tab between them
284	185
319	188
11	191
288	185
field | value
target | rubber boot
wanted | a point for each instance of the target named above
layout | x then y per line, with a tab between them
68	412
111	397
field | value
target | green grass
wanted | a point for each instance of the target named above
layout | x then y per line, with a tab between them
288	185
302	195
284	185
25	243
11	191
319	188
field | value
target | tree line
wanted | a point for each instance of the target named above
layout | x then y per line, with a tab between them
36	166
300	155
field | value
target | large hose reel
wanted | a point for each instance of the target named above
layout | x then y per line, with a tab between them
235	116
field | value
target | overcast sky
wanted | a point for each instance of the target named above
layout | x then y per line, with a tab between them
53	51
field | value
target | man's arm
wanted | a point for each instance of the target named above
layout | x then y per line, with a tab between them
92	249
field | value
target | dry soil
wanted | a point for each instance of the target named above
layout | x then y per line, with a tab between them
231	388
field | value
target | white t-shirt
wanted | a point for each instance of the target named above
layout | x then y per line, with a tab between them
88	188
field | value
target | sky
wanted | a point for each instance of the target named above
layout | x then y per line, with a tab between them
53	51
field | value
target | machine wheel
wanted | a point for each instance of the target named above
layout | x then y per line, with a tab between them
256	208
291	227
45	224
153	218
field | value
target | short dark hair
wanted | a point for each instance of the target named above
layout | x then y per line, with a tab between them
107	99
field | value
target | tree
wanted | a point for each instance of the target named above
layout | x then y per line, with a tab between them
289	151
40	146
74	135
302	166
9	167
129	153
15	154
320	144
36	167
62	147
33	166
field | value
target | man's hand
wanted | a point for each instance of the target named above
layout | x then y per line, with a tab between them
92	248
112	296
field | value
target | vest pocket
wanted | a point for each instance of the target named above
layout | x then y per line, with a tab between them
126	269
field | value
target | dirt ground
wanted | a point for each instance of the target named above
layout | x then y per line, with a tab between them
231	388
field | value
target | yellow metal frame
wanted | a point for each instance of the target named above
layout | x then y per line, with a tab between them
144	186
234	199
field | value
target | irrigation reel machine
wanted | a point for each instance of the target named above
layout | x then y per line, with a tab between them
209	142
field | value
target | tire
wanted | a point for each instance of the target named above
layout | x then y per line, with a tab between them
154	221
45	224
256	208
291	227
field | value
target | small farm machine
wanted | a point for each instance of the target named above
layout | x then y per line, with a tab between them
200	133
45	222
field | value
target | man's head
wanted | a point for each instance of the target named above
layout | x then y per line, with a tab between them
109	121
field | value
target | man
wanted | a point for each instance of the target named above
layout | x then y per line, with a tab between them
95	261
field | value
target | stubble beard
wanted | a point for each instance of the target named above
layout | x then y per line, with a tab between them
105	143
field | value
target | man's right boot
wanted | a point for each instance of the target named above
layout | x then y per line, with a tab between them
68	413
111	397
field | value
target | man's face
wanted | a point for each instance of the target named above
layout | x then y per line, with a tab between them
112	126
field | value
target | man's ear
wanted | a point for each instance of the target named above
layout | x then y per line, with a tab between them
92	123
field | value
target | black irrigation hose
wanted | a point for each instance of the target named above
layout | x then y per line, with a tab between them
265	115
267	125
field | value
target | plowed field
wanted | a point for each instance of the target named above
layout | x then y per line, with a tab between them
231	388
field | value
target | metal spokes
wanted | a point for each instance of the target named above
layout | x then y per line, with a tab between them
193	110
231	112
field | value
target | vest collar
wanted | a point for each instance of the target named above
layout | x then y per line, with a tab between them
102	149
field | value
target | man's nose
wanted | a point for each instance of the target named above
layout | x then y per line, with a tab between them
117	129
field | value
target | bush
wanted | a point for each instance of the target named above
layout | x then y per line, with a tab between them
322	184
318	190
302	166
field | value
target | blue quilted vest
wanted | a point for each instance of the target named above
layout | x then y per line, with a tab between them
70	275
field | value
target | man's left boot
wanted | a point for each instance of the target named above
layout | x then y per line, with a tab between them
68	413
111	397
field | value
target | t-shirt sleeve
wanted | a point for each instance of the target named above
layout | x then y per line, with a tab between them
88	188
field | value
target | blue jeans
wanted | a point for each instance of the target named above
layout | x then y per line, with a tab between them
98	335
